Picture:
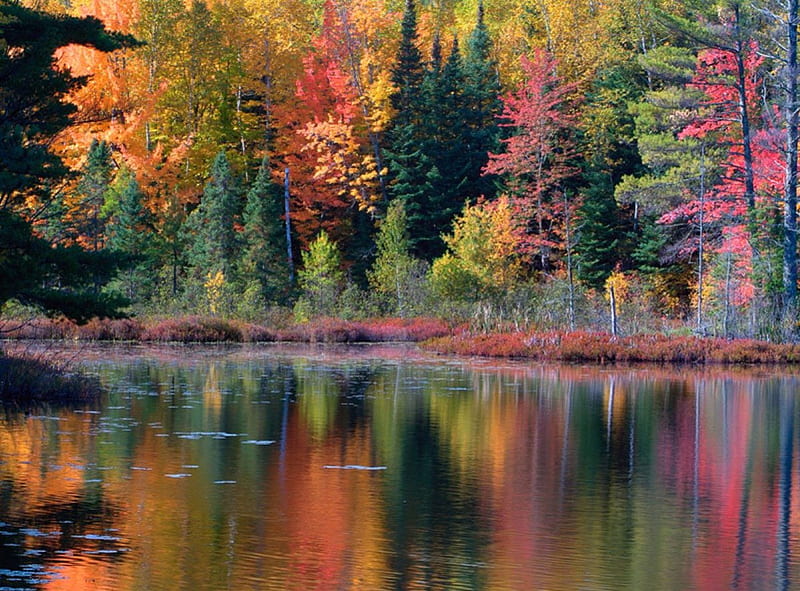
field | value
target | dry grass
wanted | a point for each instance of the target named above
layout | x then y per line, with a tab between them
29	379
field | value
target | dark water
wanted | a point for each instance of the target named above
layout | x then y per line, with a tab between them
379	468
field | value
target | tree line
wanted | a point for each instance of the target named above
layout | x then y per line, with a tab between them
529	163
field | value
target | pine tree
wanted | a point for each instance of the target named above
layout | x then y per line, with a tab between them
414	177
92	191
482	106
130	235
209	228
264	256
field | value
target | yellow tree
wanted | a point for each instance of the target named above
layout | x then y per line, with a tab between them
482	255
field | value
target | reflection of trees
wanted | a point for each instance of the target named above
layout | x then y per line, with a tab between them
513	477
48	504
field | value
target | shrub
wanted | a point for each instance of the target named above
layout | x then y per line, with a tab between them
193	329
28	379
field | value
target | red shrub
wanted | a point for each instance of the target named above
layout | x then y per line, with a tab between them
193	329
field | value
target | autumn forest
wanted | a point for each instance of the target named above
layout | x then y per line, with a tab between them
530	163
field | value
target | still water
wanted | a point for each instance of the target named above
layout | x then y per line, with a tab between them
381	468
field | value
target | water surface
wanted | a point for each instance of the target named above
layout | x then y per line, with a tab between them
380	468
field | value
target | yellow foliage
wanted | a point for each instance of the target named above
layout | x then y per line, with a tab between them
215	286
620	283
341	162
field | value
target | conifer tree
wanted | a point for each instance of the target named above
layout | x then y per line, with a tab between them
209	228
92	190
482	106
408	72
264	255
446	134
599	239
321	279
414	174
130	234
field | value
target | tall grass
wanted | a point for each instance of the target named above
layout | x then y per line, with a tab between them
32	378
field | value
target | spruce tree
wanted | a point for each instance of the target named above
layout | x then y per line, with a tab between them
264	256
599	239
482	106
209	228
92	190
130	235
408	72
446	136
414	177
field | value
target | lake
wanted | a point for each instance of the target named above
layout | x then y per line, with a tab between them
380	467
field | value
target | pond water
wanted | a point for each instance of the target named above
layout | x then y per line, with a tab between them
382	468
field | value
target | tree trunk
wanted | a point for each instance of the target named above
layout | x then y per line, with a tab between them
290	256
741	88
790	193
570	278
612	298
701	245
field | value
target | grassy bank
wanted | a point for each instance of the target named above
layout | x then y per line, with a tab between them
200	329
588	347
27	379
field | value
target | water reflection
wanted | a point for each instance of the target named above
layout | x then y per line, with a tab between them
221	468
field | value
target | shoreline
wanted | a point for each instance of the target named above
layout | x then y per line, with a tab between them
430	334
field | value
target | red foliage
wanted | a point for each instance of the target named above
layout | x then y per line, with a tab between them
536	157
588	347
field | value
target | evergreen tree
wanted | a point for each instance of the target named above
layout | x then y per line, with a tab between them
92	190
414	177
264	256
482	106
209	228
600	237
32	112
446	134
130	235
408	72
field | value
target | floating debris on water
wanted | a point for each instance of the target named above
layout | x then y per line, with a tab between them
355	467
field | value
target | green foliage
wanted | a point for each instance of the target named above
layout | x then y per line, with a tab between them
209	230
92	191
392	273
130	236
32	112
53	278
321	279
482	107
32	93
599	239
264	257
483	254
